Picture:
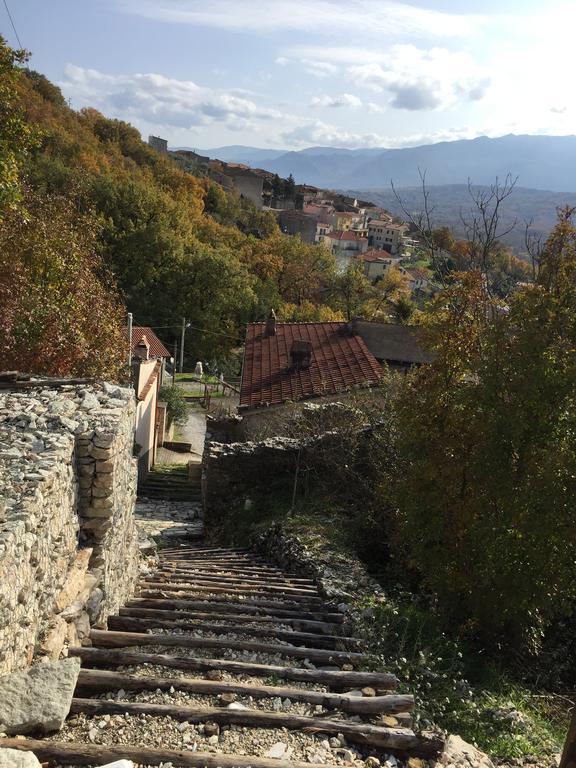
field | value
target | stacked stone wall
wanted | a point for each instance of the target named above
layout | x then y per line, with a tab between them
68	547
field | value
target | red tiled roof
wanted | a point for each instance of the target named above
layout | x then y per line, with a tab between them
344	235
157	349
339	361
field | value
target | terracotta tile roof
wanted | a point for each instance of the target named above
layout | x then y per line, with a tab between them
157	349
344	235
339	361
376	255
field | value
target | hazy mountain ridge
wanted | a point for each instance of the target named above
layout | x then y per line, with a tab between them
450	200
540	162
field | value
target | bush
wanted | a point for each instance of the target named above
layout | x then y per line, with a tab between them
176	406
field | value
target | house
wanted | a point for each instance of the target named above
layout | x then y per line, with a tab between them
149	356
294	362
345	245
397	346
344	220
298	223
419	278
386	235
321	231
157	143
321	212
376	263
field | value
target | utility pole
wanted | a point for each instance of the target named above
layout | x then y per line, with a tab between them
174	363
182	345
129	339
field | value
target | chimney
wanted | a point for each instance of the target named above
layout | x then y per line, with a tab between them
271	324
301	354
142	349
352	326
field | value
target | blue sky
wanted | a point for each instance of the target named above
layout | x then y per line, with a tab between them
362	73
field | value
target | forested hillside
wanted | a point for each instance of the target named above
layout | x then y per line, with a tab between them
118	226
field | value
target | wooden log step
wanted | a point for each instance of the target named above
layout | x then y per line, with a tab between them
397	739
336	680
92	682
207	550
216	589
300	625
116	639
237	576
130	623
244	607
248	570
237	584
182	596
70	753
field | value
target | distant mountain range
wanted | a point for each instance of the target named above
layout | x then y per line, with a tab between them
540	162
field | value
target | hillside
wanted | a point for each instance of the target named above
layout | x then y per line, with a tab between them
174	244
540	162
450	200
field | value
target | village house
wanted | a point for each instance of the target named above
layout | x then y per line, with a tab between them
321	362
294	362
376	263
386	236
149	357
298	223
346	246
418	278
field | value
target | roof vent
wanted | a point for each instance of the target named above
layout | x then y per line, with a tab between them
301	354
271	324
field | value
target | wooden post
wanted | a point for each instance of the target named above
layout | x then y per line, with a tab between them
568	759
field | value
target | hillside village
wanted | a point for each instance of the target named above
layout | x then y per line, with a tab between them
286	481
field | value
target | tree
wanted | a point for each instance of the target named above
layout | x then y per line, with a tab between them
16	135
350	290
487	453
61	313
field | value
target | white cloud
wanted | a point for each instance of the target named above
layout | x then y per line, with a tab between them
419	79
347	100
320	16
161	100
316	132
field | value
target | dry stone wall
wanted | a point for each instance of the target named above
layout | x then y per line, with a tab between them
68	545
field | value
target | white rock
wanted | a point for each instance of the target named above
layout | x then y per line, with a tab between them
39	698
458	752
277	750
236	705
14	758
119	764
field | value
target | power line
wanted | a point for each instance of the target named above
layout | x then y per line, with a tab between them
195	328
12	22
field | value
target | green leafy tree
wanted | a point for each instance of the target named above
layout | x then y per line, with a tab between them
487	446
16	135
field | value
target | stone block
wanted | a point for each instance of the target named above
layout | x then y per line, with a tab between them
39	698
53	641
16	758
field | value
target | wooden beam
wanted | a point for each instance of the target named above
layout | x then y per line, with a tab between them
108	639
242	586
302	625
209	588
127	623
66	753
130	620
398	739
250	607
335	679
95	681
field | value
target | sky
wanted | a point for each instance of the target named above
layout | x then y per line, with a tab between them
289	75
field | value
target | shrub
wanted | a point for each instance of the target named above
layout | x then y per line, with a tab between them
176	406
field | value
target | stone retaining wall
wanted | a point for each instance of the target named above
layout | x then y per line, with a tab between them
68	546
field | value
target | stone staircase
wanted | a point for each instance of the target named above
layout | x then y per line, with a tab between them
173	482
